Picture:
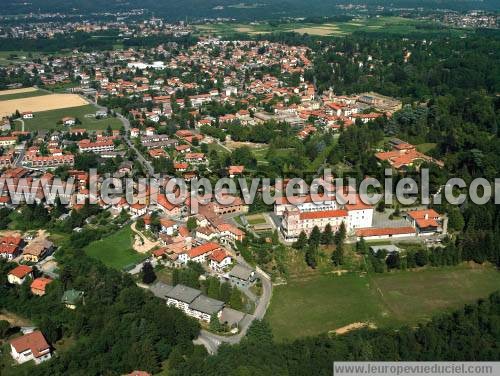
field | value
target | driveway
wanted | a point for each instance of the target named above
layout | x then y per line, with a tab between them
212	341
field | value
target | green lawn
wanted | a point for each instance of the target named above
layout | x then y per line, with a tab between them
48	119
324	302
425	148
116	250
256	219
10	57
260	154
28	94
395	25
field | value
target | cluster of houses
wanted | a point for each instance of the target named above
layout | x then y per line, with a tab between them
49	149
14	247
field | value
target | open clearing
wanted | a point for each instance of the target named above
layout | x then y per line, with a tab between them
238	144
116	250
141	243
256	219
326	302
17	91
396	25
41	103
25	94
326	29
14	319
49	119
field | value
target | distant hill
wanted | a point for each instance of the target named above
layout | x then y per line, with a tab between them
240	9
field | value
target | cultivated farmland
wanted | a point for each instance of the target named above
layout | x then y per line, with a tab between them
41	103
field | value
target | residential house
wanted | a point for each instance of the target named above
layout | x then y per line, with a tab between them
168	226
19	274
10	247
219	259
39	286
71	298
31	346
427	221
37	250
200	253
234	171
241	276
68	121
138	209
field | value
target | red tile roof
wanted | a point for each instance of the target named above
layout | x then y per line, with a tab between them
421	214
159	252
21	271
323	214
34	341
229	227
358	205
202	249
40	283
367	232
219	255
8	249
236	170
14	240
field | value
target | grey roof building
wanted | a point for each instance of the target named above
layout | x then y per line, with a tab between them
241	272
206	305
193	303
160	289
183	294
390	248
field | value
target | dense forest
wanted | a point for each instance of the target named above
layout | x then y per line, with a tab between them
119	328
88	42
450	88
247	10
472	333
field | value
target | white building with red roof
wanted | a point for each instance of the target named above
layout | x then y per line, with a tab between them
427	221
200	253
219	259
19	274
295	221
31	346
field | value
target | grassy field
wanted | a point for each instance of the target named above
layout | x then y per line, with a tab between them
324	302
28	94
116	250
256	219
49	119
260	155
10	57
395	25
425	148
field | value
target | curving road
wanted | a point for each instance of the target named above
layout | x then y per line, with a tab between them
212	341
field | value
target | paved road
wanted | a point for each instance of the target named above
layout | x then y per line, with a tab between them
212	341
22	124
148	167
19	159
